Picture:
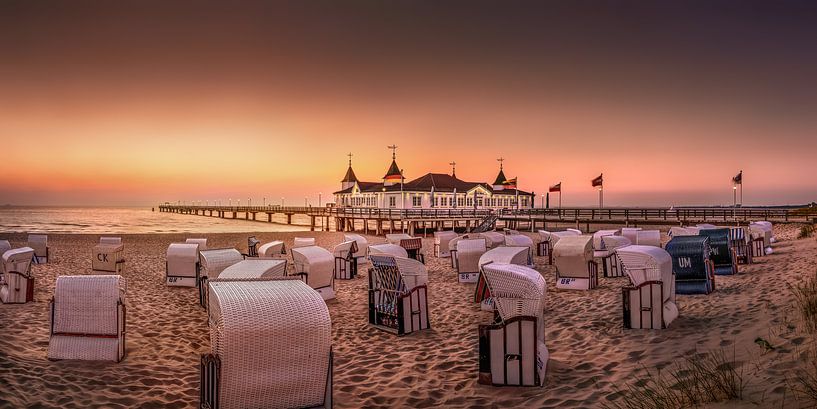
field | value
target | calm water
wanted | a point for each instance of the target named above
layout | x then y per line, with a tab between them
127	220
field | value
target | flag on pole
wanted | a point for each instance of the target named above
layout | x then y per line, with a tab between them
598	181
510	183
556	188
738	180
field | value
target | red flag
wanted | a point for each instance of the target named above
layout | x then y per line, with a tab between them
598	181
556	188
510	183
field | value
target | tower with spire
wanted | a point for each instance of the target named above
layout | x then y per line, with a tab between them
350	179
393	175
499	183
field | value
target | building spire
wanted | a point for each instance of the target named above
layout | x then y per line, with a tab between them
453	169
393	151
350	158
500	160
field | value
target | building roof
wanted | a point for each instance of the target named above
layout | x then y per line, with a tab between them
441	182
350	176
500	178
393	172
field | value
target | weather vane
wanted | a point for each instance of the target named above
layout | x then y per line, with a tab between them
453	168
350	158
500	160
393	151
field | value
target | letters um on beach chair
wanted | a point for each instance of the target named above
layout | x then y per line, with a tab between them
694	271
398	294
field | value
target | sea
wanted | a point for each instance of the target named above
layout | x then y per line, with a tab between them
131	220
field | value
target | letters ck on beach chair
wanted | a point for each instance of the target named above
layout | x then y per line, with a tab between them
272	249
721	251
108	257
512	349
650	302
18	283
88	318
610	264
213	262
182	265
39	242
315	265
271	346
398	294
441	241
575	267
694	271
466	258
345	260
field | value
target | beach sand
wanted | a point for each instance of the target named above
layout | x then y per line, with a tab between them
591	353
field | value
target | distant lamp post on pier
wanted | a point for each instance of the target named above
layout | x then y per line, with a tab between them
265	201
249	201
230	202
543	201
282	202
306	203
319	199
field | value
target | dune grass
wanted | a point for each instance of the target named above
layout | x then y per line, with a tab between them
695	380
805	300
806	231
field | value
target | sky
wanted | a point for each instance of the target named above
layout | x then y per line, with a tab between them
138	103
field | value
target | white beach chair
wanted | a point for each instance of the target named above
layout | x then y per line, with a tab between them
18	284
520	240
767	225
518	255
398	294
549	240
575	267
345	261
271	343
315	265
512	348
108	257
414	248
611	265
39	242
212	263
303	242
466	258
650	302
387	248
706	226
4	246
758	231
253	268
272	249
201	242
88	318
495	238
740	241
441	241
631	233
113	240
362	246
648	238
396	237
676	231
182	266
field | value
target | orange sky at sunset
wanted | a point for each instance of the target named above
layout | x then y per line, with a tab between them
126	106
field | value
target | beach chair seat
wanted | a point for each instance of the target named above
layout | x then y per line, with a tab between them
466	258
611	267
648	238
39	242
108	257
519	255
182	266
345	260
200	241
721	252
315	266
252	247
649	302
362	246
88	318
414	248
271	346
272	249
17	286
512	349
441	242
694	271
575	267
398	294
213	262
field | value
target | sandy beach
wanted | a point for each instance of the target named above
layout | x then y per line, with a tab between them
591	353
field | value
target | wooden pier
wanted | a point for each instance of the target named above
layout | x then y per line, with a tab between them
381	221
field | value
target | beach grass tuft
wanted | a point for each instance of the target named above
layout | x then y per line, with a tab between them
805	299
806	231
697	379
804	380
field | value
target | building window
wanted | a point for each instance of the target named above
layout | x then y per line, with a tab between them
460	201
392	201
416	201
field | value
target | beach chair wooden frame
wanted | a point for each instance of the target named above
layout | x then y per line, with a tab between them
515	362
346	265
650	311
740	246
393	307
39	242
414	248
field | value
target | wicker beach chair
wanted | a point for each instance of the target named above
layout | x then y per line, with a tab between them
108	257
694	271
88	318
39	242
520	240
551	238
389	249
213	262
650	302
345	260
767	225
519	255
113	240
252	247
495	238
676	231
362	246
253	268
648	238
4	246
611	266
315	266
396	237
761	238
721	251
575	267
182	267
201	242
271	346
398	294
303	242
414	248
631	233
740	242
441	241
272	249
17	286
466	258
512	348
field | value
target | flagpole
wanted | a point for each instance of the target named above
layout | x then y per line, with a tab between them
741	188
